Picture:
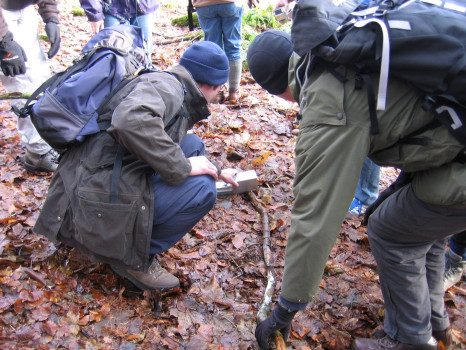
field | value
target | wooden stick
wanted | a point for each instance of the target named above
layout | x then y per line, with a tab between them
193	37
266	303
14	96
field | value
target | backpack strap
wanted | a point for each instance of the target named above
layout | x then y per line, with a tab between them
370	100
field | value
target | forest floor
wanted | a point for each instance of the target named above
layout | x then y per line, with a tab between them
54	297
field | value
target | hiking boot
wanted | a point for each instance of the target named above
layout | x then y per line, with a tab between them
156	277
388	343
41	162
454	268
444	338
357	207
233	96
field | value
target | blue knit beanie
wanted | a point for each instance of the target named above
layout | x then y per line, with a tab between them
207	63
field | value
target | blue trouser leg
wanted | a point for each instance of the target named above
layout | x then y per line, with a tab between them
368	186
178	208
408	238
222	25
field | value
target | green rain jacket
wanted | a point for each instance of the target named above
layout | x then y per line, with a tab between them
333	142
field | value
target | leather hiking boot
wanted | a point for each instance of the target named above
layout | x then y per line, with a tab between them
41	162
388	343
156	277
444	338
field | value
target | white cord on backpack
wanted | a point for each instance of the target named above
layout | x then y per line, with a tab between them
385	61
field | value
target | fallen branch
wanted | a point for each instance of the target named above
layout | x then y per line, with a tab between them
14	96
192	37
266	303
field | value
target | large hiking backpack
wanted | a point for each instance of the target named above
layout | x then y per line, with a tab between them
420	41
71	100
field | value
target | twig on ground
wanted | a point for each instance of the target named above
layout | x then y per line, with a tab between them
266	303
193	37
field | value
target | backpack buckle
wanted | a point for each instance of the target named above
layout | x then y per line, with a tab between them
22	112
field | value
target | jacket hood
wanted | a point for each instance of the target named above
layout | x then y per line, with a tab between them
195	103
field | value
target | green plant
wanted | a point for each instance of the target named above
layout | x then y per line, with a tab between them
261	18
77	11
44	37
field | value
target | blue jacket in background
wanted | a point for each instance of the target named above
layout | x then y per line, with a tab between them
95	9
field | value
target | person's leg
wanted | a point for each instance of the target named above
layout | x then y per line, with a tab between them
23	24
210	24
368	186
110	21
146	23
231	26
231	16
455	260
178	208
407	237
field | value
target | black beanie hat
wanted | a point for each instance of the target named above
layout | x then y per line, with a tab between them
268	57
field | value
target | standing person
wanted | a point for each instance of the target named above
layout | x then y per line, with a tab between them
221	21
408	231
107	13
455	260
25	67
166	183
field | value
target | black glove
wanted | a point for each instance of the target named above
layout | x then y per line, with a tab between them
12	56
53	33
279	320
402	180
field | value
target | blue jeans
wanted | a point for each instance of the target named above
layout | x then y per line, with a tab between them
178	208
368	186
222	25
145	22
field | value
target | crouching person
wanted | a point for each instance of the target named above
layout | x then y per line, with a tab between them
131	192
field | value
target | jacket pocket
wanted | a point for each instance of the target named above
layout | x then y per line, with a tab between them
106	229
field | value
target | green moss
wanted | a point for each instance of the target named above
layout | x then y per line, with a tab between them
183	21
78	11
44	37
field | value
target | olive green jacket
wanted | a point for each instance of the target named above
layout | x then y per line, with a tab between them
333	142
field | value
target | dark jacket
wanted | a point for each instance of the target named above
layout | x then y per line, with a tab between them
78	210
95	9
47	9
